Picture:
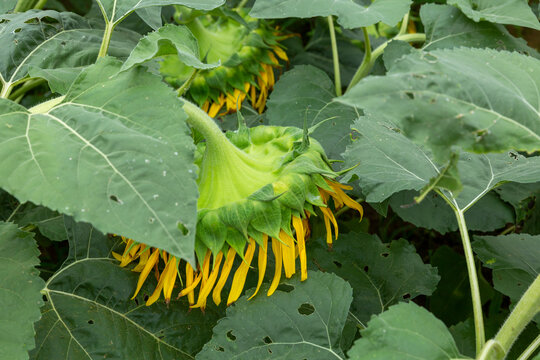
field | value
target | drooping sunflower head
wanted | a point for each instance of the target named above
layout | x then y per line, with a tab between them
258	189
248	50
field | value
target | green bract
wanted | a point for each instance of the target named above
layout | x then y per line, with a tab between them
254	183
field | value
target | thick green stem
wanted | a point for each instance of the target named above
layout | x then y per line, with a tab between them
335	55
204	124
527	307
28	85
185	86
41	4
24	5
109	27
404	24
529	351
369	59
473	281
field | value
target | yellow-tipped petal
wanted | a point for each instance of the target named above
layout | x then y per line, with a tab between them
188	290
276	249
240	275
207	288
214	109
162	279
273	59
328	214
287	249
253	96
143	259
328	229
147	268
263	256
280	53
189	281
227	266
299	229
117	256
170	278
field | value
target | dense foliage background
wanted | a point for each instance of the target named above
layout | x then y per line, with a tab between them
440	132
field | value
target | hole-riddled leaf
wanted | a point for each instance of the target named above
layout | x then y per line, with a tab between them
380	274
481	100
279	327
103	161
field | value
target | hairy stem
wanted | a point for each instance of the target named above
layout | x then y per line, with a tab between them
28	85
203	123
335	55
527	307
109	27
525	355
369	61
185	86
473	281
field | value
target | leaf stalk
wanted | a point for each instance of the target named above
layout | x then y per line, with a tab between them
473	281
335	55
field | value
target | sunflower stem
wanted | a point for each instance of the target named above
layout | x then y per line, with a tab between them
404	23
28	85
203	123
473	281
335	55
525	355
109	27
371	57
185	86
527	308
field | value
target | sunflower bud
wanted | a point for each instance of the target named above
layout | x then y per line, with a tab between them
248	50
258	188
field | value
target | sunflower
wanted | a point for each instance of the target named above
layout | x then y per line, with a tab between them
248	50
258	189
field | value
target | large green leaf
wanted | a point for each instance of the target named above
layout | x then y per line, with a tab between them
305	322
20	287
115	152
447	27
89	314
382	156
115	11
515	260
511	12
51	40
479	99
405	332
168	40
350	14
380	274
306	93
385	161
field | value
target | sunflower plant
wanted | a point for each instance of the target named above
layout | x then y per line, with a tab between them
376	199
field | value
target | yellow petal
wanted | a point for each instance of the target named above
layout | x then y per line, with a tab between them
276	249
328	229
287	249
170	279
188	290
144	273
240	275
280	53
143	259
299	229
328	214
216	294
263	255
205	290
